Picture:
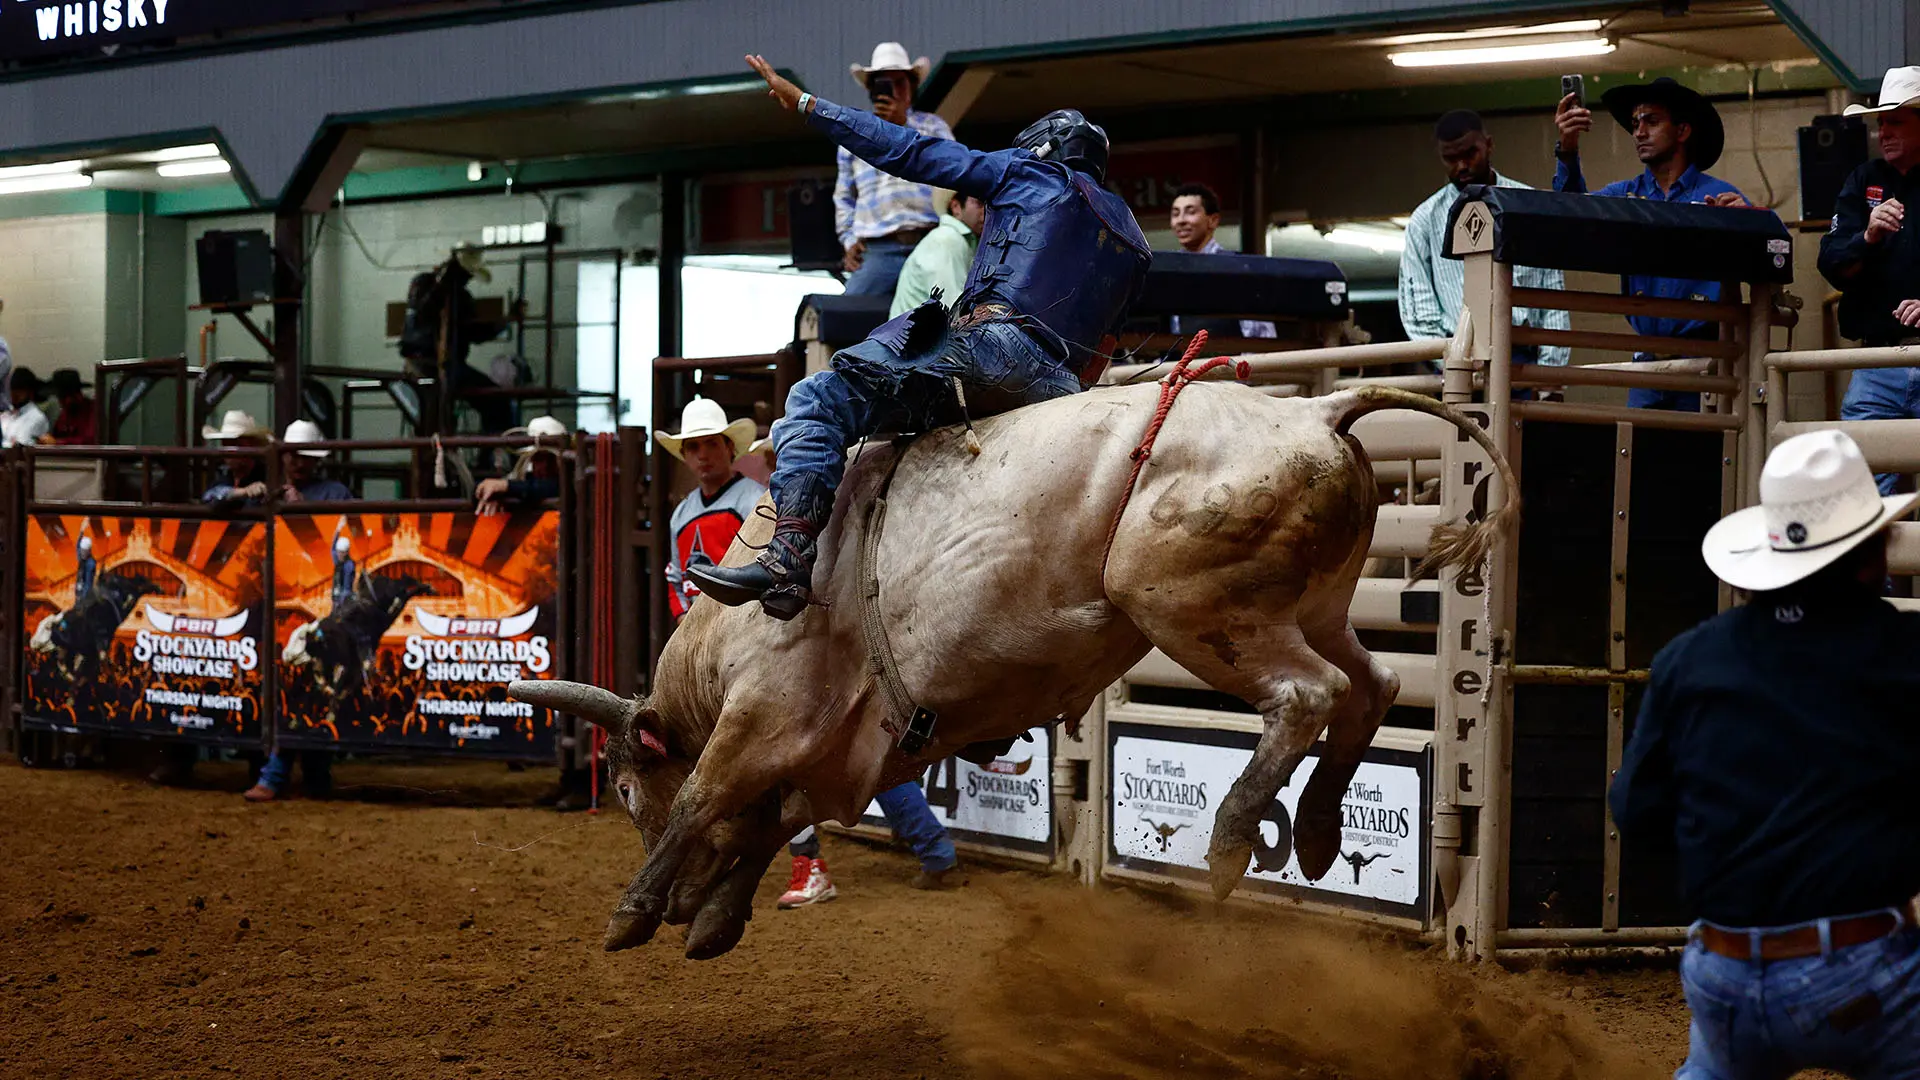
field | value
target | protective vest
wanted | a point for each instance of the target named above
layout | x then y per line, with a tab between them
1074	264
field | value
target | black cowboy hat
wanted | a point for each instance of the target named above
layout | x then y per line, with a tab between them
25	379
1688	107
65	381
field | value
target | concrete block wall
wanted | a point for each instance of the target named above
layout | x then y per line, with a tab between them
53	280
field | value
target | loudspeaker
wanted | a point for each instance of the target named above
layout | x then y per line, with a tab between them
816	244
1830	150
235	267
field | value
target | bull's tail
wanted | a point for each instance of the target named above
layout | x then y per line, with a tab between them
1451	544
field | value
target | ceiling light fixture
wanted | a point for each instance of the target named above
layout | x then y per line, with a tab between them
1571	26
181	153
202	167
1373	239
56	182
51	168
1502	54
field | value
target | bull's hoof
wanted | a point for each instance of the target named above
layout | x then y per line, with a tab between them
714	933
1227	862
1316	841
630	928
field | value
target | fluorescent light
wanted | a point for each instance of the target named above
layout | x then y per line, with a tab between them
51	168
202	167
1501	54
1372	239
1572	26
182	153
59	182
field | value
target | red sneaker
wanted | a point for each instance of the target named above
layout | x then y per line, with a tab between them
809	884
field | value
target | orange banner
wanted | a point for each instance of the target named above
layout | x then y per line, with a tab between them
402	630
145	625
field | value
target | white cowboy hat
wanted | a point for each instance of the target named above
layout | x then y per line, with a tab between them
1899	89
704	416
892	56
540	427
303	431
235	425
1817	502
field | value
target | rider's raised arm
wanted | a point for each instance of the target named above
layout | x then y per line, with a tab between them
904	152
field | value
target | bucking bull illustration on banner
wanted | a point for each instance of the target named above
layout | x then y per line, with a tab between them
404	629
145	625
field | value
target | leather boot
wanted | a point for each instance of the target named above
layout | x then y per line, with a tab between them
781	578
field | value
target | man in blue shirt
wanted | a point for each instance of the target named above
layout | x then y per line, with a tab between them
1678	136
1059	263
1776	748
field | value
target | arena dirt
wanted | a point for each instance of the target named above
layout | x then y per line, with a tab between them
395	934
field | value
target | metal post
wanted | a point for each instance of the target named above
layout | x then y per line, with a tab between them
1616	661
1466	867
1769	409
1501	569
673	250
289	286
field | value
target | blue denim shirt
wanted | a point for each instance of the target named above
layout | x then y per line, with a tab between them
1778	747
1056	248
1693	186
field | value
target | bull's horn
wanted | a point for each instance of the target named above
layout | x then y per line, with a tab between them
590	703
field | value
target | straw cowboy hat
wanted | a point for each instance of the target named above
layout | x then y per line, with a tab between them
303	431
1817	502
892	56
540	427
1687	106
236	425
704	416
1899	90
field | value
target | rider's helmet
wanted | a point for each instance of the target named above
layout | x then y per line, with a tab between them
1066	136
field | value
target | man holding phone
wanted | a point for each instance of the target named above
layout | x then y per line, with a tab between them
1677	135
880	218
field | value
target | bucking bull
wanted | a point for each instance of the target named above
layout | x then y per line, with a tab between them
1237	555
76	637
339	649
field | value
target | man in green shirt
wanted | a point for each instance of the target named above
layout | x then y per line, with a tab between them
941	259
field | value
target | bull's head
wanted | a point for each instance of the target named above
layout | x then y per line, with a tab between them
42	640
647	765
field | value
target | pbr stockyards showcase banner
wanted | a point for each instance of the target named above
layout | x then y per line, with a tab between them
403	630
1167	783
1006	803
146	626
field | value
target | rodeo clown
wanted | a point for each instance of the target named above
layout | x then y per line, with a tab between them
1059	264
1777	748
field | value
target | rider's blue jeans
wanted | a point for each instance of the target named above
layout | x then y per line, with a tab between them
870	389
1854	1010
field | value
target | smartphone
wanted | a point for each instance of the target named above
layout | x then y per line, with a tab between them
881	85
1575	85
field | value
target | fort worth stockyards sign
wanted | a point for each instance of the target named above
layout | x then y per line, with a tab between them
40	29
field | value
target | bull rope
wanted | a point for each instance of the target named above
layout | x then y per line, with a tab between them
1170	386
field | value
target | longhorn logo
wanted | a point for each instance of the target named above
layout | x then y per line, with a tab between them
189	624
461	626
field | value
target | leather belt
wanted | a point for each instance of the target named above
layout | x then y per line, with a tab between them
907	236
980	314
1804	941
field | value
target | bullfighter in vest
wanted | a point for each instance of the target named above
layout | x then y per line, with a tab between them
1060	261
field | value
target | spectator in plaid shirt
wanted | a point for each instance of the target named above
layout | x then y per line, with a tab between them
881	218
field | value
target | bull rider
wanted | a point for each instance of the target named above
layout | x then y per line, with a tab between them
1060	262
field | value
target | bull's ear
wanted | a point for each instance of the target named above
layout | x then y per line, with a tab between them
646	730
